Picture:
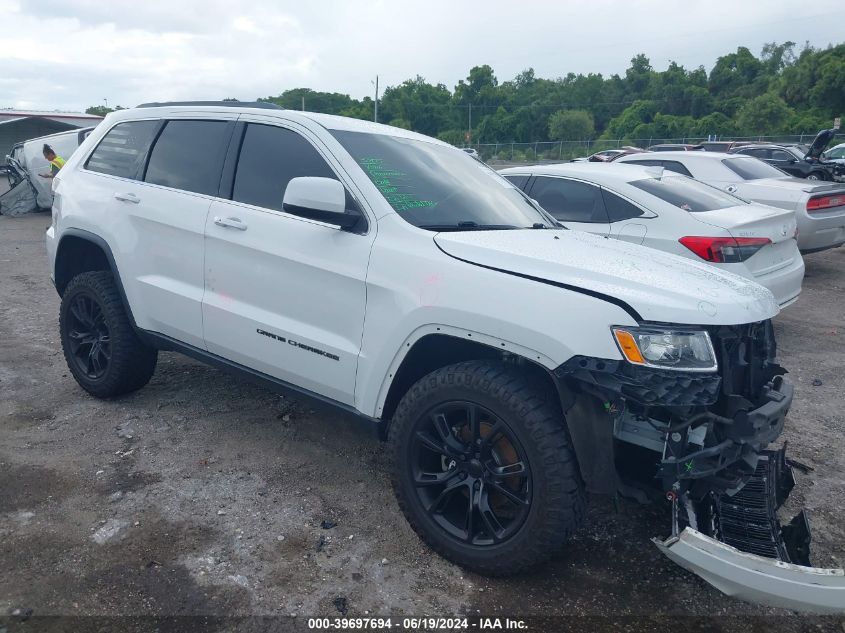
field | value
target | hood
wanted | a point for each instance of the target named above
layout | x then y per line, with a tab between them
658	286
820	143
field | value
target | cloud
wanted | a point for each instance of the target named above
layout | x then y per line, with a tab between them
74	53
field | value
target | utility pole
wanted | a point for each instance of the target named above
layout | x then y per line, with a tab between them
106	102
469	138
375	108
303	103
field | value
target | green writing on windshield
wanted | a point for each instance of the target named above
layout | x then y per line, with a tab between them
393	186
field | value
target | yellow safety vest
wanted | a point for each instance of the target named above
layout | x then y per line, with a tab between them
58	162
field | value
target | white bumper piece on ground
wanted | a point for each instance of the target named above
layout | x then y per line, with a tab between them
755	578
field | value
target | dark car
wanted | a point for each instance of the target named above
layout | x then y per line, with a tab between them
724	146
798	161
675	147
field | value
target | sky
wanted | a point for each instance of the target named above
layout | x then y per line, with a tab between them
71	54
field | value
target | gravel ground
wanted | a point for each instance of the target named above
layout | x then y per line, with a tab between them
203	494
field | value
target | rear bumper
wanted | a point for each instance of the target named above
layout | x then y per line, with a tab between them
820	231
755	578
784	283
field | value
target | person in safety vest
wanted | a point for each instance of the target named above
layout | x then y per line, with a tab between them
56	161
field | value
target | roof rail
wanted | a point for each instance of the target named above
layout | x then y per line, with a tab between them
228	104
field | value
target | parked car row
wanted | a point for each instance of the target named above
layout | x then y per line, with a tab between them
819	207
674	214
810	162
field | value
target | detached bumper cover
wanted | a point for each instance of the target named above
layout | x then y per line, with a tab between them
755	578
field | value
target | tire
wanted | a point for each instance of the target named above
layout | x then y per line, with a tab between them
101	348
816	175
537	506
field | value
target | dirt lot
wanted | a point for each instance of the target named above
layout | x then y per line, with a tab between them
204	495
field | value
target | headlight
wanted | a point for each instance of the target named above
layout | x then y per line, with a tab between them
683	350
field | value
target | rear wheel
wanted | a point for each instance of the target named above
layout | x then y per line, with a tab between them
101	348
483	468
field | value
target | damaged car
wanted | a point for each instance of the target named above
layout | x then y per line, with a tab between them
23	190
511	364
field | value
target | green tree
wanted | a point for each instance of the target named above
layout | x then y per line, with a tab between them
766	114
571	125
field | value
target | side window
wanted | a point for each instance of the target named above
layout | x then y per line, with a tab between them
673	165
781	156
270	157
188	155
518	181
647	163
569	200
618	208
762	154
122	150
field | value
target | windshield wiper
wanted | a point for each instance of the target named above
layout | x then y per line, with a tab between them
467	225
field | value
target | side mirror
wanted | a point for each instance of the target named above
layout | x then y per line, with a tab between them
322	199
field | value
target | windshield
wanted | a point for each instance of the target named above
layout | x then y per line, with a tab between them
440	188
749	168
687	194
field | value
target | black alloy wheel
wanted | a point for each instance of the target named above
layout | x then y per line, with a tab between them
89	337
470	473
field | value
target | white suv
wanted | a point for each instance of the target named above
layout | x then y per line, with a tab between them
511	363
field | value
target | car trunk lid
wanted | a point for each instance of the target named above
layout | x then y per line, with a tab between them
752	222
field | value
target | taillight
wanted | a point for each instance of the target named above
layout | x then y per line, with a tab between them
821	203
724	250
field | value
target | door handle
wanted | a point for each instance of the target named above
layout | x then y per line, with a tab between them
230	223
127	197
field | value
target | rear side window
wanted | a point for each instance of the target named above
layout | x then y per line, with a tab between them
569	200
270	157
518	181
122	150
749	168
188	155
687	194
782	156
678	168
647	163
618	208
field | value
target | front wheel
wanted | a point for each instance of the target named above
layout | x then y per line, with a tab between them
484	469
817	175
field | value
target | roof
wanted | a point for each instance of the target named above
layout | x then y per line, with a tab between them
47	114
678	155
328	121
595	172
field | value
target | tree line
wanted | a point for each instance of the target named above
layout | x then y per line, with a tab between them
781	91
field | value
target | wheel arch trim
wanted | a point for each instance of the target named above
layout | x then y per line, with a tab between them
493	342
101	243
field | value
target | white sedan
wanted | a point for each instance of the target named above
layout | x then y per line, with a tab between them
819	207
673	213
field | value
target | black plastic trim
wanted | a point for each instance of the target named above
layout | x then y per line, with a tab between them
346	221
584	291
166	343
264	105
103	245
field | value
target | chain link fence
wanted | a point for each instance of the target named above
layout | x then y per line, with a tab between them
562	151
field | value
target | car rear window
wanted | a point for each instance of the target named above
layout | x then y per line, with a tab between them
122	150
687	194
749	168
188	155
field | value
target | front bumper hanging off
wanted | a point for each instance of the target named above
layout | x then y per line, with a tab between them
756	578
725	486
751	556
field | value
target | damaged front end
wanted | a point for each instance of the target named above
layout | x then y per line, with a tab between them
700	441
